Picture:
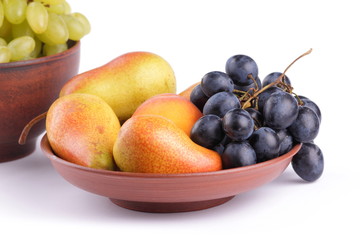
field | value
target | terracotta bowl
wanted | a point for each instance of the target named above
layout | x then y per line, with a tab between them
164	193
27	89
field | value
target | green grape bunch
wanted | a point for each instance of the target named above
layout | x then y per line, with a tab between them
35	28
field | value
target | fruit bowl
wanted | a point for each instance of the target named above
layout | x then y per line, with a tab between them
165	193
27	89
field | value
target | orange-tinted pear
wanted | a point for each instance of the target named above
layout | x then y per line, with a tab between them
173	107
82	129
154	144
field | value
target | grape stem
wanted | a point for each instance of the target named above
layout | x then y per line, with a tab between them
253	79
245	95
298	99
277	81
27	128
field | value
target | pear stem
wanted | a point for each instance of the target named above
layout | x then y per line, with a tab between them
27	128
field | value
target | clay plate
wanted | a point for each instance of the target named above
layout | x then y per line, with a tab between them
164	193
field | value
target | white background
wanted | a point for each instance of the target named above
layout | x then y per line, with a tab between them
196	37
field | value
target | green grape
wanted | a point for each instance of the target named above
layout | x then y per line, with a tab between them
62	8
21	47
84	21
50	1
54	49
37	17
44	39
5	30
75	27
56	33
3	42
67	8
5	54
58	9
1	13
15	10
22	29
37	50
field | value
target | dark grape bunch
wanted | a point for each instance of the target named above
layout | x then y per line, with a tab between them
248	121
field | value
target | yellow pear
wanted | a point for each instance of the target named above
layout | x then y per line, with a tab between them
82	129
126	82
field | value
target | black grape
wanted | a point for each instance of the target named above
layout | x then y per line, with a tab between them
238	154
306	126
272	77
214	82
286	141
226	140
219	148
280	110
198	97
266	144
256	116
207	131
220	103
262	97
310	104
238	124
308	163
238	67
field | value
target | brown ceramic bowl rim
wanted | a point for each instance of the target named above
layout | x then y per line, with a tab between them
46	148
74	46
